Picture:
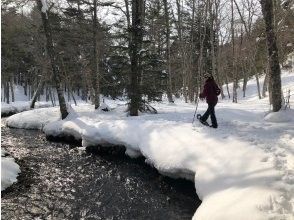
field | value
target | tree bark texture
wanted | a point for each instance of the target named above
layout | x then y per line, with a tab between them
273	55
96	77
6	89
37	93
167	34
11	89
136	44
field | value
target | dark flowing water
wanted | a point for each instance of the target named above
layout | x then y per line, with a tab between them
59	181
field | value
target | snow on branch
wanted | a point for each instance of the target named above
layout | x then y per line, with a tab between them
44	6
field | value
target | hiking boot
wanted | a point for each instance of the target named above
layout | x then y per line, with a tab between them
203	122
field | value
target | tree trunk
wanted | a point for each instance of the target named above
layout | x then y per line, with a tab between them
235	82
265	84
273	55
227	86
245	80
53	59
214	38
258	85
211	35
68	94
47	94
51	97
167	34
220	81
136	44
29	92
90	95
37	93
256	73
183	49
32	90
235	94
7	92
2	93
201	39
73	97
192	57
96	84
11	89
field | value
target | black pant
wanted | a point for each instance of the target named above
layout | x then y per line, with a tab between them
210	112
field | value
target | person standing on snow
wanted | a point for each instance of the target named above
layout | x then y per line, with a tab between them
210	92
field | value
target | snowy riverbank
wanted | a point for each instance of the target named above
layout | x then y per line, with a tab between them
20	106
9	170
243	170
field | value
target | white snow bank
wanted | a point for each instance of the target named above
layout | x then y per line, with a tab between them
243	170
238	169
20	106
3	152
280	116
33	119
44	6
9	171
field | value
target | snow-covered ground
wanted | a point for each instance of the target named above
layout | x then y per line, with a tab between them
22	102
20	106
242	170
9	170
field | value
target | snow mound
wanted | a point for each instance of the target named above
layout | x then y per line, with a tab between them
33	119
9	171
3	153
20	106
280	116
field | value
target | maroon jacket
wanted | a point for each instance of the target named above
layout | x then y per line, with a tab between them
210	91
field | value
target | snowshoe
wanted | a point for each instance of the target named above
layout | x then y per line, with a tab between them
202	122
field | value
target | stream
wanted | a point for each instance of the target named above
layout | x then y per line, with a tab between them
63	181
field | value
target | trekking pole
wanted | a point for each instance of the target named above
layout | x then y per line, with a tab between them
195	110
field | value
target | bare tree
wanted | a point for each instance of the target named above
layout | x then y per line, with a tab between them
273	55
235	79
247	23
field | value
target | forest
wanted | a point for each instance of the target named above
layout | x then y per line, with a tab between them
147	109
139	49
